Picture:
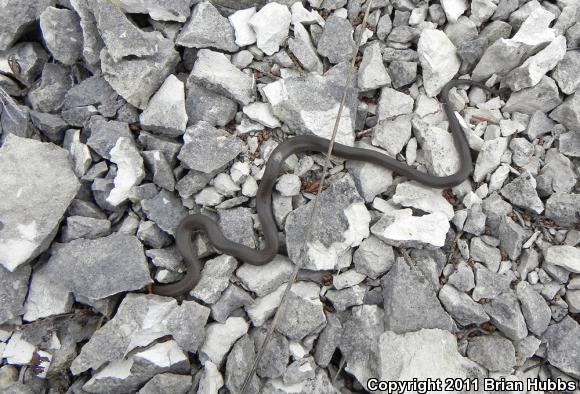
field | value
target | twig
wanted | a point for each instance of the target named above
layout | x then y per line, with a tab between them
314	214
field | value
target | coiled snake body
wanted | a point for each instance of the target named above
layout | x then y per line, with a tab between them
291	146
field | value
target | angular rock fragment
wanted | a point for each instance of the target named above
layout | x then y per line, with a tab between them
565	73
207	28
240	21
160	168
428	353
372	73
461	307
499	58
563	209
17	16
239	364
13	289
544	96
439	150
489	157
130	170
414	195
62	34
564	256
50	94
167	10
505	313
393	103
534	308
411	302
493	352
401	228
439	60
392	134
331	241
94	90
217	73
489	284
535	31
309	105
220	337
203	104
231	299
165	209
263	279
168	382
214	279
563	345
208	149
522	193
140	320
165	114
301	46
14	118
336	42
453	9
271	24
304	312
568	113
82	227
38	185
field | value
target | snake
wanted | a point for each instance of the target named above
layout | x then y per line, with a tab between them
300	144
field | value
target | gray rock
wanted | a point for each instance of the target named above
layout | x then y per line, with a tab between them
128	375
370	179
271	24
393	134
499	58
265	278
31	206
557	175
461	307
372	73
570	144
239	364
428	353
49	95
206	150
136	79
167	383
214	71
166	10
83	227
169	99
207	28
440	154
439	60
275	359
489	157
475	223
151	235
411	302
203	104
484	253
220	337
495	353
564	256
568	113
401	228
94	90
534	308
522	151
139	320
31	58
360	334
328	340
52	126
521	192
343	299
563	345
347	228
393	103
158	166
165	209
336	43
563	209
539	125
542	97
16	18
565	73
489	284
92	41
214	279
463	278
373	257
301	46
13	289
512	236
105	134
62	34
299	371
309	105
304	312
402	73
505	313
231	299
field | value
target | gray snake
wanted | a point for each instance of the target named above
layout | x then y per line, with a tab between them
299	144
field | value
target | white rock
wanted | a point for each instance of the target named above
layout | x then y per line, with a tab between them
18	351
264	307
163	354
165	112
393	103
220	338
401	228
489	157
79	152
509	127
347	279
414	195
240	20
428	353
564	256
130	171
372	72
239	171
250	187
271	25
303	16
242	59
535	30
263	279
262	113
370	179
225	185
211	379
209	197
289	185
453	9
439	60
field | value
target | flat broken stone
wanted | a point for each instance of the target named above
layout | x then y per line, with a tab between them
130	170
166	10
217	73
140	320
208	149
564	346
13	289
165	209
332	239
461	307
17	16
207	28
38	185
62	34
414	195
564	256
220	337
372	72
522	193
439	60
401	228
271	24
214	278
499	58
304	312
336	42
544	96
240	21
169	99
89	268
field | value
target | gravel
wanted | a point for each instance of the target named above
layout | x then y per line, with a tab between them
118	119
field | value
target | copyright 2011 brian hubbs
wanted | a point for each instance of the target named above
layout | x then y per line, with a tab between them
460	385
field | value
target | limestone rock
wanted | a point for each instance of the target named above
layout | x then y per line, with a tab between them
169	99
439	60
62	34
271	24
